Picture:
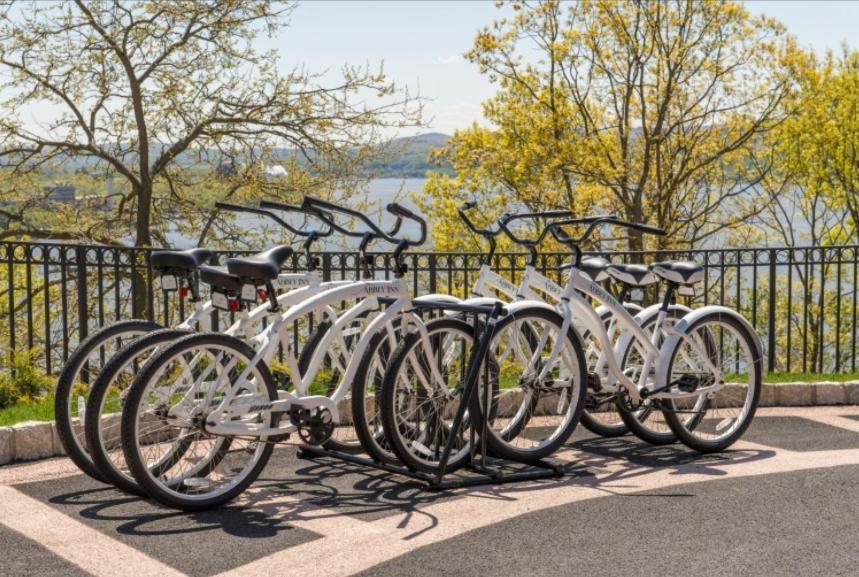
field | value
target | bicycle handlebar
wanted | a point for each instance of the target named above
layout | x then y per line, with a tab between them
593	222
261	211
397	210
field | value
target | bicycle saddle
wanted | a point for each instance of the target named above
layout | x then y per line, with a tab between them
679	271
261	266
593	267
180	259
218	277
631	274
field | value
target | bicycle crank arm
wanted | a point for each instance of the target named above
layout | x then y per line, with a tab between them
665	394
238	411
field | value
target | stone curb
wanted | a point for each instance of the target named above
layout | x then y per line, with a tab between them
39	440
29	441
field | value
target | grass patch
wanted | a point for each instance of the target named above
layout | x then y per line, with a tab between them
40	410
810	377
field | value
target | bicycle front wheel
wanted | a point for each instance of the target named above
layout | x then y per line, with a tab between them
422	390
542	385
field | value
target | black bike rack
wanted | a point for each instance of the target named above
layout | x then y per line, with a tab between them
487	470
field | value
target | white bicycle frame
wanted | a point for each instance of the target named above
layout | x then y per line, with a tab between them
535	286
226	417
574	307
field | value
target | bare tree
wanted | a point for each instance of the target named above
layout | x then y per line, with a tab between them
151	92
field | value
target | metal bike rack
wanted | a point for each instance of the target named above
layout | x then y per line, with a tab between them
487	470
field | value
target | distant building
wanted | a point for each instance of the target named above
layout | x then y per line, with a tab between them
227	169
67	194
61	193
275	171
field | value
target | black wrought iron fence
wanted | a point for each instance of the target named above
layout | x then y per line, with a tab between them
802	301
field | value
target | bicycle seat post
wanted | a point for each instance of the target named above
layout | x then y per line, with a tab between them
366	238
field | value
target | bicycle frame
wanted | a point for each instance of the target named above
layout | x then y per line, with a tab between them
368	293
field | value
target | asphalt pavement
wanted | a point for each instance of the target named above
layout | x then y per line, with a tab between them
783	501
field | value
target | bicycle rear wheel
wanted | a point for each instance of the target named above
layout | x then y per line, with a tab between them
177	393
648	423
716	350
75	381
601	415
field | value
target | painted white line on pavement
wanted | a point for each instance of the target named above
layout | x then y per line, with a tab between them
35	471
89	549
834	421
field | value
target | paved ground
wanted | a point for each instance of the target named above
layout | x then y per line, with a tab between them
783	502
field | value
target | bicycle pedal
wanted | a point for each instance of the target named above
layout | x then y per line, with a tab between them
594	382
274	439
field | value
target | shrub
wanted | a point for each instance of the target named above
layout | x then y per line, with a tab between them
8	393
22	382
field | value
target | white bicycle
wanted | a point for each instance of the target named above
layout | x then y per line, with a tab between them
238	294
600	415
703	372
179	273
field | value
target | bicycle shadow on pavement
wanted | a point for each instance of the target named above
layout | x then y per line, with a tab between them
626	457
134	515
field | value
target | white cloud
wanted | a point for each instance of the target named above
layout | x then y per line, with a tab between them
453	116
452	59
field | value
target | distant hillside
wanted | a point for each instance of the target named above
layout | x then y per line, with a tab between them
410	158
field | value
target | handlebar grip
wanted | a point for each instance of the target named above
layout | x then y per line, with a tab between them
400	210
281	206
654	230
234	207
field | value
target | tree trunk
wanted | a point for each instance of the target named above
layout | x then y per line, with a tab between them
635	239
143	237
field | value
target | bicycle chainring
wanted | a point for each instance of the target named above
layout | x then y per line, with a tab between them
315	426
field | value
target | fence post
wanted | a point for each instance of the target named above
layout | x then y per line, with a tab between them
326	267
771	314
432	273
10	272
83	310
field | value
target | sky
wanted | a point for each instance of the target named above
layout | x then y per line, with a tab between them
421	43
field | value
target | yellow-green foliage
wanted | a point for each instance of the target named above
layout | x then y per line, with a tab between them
817	147
648	109
22	382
